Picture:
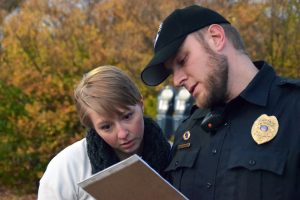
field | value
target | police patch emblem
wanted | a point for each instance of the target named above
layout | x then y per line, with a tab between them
264	129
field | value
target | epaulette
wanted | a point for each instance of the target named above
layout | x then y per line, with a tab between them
288	81
196	113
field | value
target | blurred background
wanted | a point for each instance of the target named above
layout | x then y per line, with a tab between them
47	45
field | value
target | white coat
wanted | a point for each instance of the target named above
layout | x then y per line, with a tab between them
72	165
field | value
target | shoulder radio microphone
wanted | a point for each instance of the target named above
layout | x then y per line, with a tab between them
212	121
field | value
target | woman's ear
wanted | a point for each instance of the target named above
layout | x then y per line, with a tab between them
217	34
142	104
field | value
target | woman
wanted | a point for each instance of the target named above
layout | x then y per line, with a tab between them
111	107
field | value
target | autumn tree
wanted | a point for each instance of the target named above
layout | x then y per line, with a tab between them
269	28
45	50
282	41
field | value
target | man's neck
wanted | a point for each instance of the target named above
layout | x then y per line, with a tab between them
240	73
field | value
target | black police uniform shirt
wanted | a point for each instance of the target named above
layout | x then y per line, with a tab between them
228	164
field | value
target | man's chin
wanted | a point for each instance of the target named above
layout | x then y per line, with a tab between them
201	105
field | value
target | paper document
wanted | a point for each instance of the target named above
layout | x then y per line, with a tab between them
130	179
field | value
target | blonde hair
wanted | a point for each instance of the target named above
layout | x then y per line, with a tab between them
105	90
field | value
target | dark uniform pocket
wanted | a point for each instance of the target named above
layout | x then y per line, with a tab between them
183	158
257	174
181	167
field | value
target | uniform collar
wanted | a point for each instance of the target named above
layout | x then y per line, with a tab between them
197	113
257	91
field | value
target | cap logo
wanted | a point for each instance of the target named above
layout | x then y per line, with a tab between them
158	32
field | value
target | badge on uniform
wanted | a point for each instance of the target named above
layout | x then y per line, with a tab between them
186	135
264	129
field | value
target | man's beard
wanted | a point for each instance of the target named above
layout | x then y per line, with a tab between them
216	82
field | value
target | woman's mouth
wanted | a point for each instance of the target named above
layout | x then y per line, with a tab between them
128	145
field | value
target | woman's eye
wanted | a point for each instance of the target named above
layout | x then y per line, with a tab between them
105	127
128	116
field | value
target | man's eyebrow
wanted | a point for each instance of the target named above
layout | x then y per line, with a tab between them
179	51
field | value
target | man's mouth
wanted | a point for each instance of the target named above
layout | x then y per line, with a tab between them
192	89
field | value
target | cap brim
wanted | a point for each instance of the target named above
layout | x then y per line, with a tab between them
155	72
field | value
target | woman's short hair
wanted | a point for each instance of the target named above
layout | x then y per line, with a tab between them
105	90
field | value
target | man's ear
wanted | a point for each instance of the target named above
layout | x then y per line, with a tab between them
217	34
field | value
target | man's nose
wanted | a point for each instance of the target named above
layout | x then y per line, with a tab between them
179	78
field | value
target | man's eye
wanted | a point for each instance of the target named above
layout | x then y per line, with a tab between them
182	61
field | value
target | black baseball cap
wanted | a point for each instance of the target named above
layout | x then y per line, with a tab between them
172	32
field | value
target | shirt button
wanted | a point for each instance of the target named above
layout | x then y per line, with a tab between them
252	162
214	151
176	163
208	185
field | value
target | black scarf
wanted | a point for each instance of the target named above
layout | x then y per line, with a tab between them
155	151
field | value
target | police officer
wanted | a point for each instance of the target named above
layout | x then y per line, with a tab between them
244	143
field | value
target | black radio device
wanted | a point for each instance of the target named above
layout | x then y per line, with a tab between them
212	121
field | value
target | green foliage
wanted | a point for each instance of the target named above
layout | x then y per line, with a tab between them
12	107
47	47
